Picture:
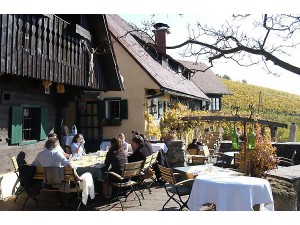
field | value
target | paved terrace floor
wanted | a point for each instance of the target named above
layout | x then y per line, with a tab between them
47	202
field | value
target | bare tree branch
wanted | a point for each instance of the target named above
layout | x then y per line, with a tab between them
272	37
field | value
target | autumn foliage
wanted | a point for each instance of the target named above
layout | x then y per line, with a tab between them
260	159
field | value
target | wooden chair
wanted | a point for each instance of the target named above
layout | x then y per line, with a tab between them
191	152
20	189
152	165
146	172
283	161
174	188
201	152
125	185
38	183
236	160
198	160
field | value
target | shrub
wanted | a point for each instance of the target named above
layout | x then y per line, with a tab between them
261	159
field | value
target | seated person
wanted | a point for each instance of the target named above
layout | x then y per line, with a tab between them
52	157
140	151
147	144
194	145
115	159
77	145
54	135
135	132
124	144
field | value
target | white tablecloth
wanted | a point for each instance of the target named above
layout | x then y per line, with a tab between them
67	140
230	156
159	146
104	146
91	163
231	193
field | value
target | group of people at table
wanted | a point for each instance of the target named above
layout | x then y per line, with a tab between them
118	154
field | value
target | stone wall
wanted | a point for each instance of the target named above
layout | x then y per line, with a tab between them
282	149
284	195
176	154
290	174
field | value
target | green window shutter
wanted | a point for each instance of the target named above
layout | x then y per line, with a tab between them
43	125
124	109
16	125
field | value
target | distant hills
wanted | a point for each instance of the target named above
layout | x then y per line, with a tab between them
270	104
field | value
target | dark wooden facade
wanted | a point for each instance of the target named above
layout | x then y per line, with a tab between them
50	47
46	47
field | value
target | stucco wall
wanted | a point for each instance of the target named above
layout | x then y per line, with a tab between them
136	80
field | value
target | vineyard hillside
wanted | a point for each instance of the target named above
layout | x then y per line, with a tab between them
269	104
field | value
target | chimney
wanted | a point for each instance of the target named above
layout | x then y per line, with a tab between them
161	29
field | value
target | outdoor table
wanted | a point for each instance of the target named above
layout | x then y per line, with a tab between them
67	140
92	163
159	146
231	193
192	171
229	157
105	145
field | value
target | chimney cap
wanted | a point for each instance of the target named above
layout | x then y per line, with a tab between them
160	25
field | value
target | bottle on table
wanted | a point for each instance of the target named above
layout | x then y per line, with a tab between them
251	139
235	139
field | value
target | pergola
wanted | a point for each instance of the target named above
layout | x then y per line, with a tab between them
244	121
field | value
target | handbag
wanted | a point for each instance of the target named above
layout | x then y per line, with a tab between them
107	189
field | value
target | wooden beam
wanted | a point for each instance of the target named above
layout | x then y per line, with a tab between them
234	119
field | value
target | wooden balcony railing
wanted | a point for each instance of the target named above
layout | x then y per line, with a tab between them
46	47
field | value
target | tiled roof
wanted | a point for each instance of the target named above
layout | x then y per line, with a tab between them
207	81
165	78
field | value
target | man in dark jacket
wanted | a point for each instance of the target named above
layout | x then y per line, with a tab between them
140	151
194	145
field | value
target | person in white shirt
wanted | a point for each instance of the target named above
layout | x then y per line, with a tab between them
77	145
59	148
125	146
51	157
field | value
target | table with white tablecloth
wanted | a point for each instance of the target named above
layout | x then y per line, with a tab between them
229	157
67	140
159	146
231	193
93	163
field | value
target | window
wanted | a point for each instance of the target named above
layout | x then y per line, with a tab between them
28	124
116	109
112	109
214	104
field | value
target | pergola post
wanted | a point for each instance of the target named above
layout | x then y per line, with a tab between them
245	147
